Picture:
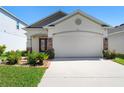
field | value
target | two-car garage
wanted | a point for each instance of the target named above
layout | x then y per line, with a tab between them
78	44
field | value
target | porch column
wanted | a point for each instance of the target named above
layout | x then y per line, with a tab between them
29	43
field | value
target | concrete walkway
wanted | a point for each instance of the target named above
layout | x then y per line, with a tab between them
83	73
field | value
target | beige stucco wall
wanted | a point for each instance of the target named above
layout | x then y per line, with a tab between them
116	42
69	25
84	40
35	44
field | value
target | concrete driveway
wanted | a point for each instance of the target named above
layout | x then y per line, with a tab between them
83	73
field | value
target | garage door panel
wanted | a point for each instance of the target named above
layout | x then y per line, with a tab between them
77	45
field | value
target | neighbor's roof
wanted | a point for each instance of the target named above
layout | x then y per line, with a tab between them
48	20
61	16
13	16
116	29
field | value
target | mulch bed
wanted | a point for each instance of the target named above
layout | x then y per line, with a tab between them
45	65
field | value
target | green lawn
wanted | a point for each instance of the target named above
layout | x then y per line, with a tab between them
12	76
119	60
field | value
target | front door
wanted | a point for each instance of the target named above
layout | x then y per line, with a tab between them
42	44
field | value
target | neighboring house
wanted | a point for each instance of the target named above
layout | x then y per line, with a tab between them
70	35
116	39
11	33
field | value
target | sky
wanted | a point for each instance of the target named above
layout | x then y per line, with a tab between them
113	15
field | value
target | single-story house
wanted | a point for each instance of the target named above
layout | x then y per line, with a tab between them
11	33
116	39
70	35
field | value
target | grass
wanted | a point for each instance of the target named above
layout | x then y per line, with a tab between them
119	59
12	76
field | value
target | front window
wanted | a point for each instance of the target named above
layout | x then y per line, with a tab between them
17	25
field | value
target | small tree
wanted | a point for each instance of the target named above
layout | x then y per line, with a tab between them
2	49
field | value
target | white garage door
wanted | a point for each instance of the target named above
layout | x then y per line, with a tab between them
78	44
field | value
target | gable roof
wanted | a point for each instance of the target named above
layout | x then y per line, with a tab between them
60	16
13	16
83	14
48	20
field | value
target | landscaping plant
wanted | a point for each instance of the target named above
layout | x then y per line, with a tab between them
51	53
120	56
45	56
41	57
13	57
2	49
24	53
3	58
35	58
32	58
108	54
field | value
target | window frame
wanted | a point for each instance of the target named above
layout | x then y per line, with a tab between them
45	39
17	25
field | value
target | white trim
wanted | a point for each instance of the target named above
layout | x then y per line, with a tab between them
115	33
62	32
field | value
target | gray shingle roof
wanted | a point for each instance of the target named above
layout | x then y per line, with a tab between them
48	20
116	29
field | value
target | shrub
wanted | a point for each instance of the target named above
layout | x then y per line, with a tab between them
120	55
35	58
108	54
13	57
51	53
3	58
45	56
41	57
24	53
32	58
18	56
2	49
